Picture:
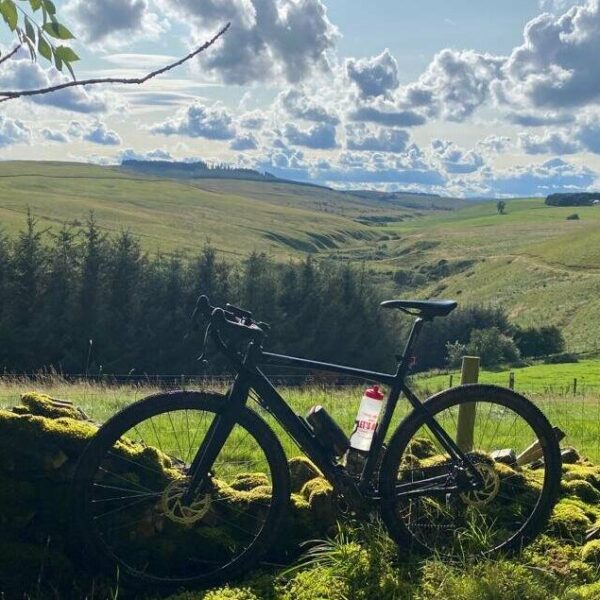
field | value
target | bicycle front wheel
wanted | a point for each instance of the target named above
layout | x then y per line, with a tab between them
513	447
129	487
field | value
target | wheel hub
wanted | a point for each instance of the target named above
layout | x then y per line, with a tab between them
176	510
488	491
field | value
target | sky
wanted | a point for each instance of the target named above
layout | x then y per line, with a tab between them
459	98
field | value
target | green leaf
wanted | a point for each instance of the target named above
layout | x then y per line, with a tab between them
67	55
49	6
35	4
30	30
58	63
58	31
9	13
44	47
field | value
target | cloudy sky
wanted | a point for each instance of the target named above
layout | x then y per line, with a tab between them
462	97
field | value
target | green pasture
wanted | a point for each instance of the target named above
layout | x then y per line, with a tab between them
537	378
577	415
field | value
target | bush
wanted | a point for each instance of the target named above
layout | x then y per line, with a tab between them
492	347
541	341
573	217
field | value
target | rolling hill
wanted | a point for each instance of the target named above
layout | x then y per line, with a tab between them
540	266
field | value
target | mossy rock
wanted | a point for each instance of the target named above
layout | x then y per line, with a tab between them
584	592
319	494
248	481
42	405
585	472
421	448
570	519
581	489
301	470
590	552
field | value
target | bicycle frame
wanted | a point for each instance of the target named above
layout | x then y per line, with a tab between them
249	376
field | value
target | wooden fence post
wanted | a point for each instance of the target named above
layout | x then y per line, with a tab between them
575	385
450	380
511	380
466	412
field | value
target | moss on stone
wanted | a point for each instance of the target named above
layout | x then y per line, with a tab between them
590	552
301	470
249	481
581	489
584	592
585	472
421	448
42	405
570	519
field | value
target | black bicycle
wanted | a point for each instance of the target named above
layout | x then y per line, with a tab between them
192	487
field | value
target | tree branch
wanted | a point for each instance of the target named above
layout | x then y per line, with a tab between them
11	95
11	53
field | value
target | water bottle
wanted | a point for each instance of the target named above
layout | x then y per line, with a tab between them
364	428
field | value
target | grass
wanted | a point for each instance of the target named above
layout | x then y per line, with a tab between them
577	415
537	378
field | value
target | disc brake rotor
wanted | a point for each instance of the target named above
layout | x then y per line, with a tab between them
179	512
490	489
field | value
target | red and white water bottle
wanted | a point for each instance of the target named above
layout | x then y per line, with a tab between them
366	419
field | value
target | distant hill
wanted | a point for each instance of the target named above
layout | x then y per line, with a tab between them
541	267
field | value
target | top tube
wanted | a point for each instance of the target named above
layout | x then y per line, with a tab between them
303	363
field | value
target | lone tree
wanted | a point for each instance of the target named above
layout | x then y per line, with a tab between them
501	207
35	25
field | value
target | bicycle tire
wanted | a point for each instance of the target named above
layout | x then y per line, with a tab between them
401	438
160	404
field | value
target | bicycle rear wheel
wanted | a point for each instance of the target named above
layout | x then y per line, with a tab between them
129	484
522	476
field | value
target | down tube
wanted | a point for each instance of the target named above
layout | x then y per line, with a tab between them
292	424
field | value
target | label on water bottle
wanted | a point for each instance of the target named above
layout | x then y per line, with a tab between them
366	419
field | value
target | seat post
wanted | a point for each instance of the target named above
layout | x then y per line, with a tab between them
410	342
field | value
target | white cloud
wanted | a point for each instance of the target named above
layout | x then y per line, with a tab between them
385	113
268	39
539	119
320	136
95	132
381	139
13	131
198	120
254	119
113	21
556	66
22	74
456	159
374	76
554	142
552	176
53	135
494	144
244	141
454	84
297	104
156	154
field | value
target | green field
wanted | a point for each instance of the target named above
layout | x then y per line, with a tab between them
538	378
578	415
539	266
